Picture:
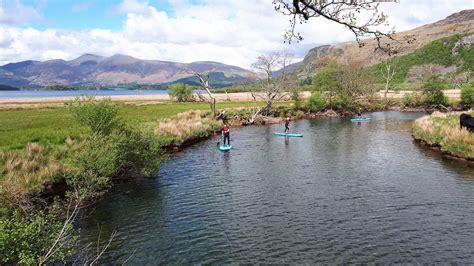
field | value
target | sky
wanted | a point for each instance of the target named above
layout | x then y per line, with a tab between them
234	32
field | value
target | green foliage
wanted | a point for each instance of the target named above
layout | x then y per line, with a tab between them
433	91
327	78
100	116
26	238
181	92
412	99
295	95
316	103
438	52
467	94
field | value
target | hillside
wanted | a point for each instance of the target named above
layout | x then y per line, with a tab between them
460	23
119	70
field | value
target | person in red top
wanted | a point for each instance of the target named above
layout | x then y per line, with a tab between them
287	125
359	111
226	134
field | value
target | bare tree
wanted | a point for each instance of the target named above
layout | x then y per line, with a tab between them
388	73
272	86
204	82
343	12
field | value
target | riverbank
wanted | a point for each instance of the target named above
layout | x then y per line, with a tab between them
442	131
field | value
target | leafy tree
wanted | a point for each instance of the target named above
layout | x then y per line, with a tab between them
433	91
181	92
316	102
467	94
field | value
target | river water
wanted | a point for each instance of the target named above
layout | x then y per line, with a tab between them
344	193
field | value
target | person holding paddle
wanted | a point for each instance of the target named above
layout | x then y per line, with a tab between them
287	124
359	112
226	134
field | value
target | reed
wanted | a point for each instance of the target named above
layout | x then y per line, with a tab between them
443	130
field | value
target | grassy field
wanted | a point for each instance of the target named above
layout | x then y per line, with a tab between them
443	130
54	126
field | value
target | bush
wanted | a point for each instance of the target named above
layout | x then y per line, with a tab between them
432	90
181	92
412	99
316	102
26	238
467	94
100	116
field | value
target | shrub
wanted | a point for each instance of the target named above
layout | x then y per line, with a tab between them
181	92
100	116
432	90
26	238
467	94
412	99
316	102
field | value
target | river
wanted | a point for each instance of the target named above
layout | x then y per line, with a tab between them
344	193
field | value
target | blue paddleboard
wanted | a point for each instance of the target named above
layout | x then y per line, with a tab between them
225	147
288	135
362	119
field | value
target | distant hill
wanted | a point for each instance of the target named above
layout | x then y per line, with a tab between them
119	70
460	24
8	88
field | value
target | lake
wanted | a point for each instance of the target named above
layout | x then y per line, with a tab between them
344	193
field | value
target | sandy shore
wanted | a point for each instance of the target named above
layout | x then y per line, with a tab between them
27	103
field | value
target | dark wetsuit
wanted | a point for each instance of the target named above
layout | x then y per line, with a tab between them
359	112
287	126
226	131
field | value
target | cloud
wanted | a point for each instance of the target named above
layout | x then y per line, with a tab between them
229	31
133	7
13	12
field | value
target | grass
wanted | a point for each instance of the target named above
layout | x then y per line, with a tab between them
53	126
443	130
187	125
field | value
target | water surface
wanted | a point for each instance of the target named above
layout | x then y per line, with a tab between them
343	193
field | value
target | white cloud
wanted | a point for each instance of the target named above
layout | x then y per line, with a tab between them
228	31
13	12
133	7
81	7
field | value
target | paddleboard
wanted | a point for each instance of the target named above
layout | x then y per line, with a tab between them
225	147
288	135
362	119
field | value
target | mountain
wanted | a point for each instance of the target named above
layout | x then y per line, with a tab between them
119	70
8	88
461	23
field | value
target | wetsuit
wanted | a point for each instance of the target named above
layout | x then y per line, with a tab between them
226	132
359	112
287	126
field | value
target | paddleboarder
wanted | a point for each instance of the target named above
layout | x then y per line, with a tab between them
226	134
287	124
359	112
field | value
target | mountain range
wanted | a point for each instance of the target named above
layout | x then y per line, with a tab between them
119	70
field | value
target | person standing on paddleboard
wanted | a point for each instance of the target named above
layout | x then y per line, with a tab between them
287	124
359	112
226	134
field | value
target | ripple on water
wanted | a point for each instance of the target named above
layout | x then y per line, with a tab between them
345	193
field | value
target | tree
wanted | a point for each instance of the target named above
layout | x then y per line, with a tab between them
272	86
204	82
342	12
433	91
181	92
388	73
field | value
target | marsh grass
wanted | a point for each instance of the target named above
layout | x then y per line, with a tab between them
443	130
27	171
187	125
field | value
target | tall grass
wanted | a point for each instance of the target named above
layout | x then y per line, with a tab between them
443	130
26	172
188	125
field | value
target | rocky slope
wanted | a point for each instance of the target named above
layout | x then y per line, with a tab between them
117	70
349	52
